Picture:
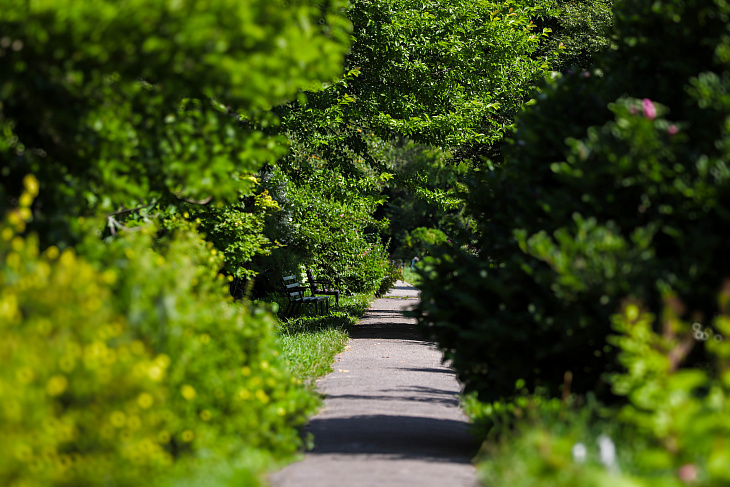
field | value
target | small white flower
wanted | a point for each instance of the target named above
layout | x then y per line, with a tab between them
579	453
607	453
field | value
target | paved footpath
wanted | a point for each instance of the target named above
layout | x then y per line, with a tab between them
391	415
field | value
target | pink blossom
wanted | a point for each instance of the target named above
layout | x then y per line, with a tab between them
341	215
688	472
672	130
649	108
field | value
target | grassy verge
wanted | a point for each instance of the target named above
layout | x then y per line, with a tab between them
411	277
310	342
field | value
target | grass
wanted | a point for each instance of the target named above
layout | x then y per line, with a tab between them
410	276
310	343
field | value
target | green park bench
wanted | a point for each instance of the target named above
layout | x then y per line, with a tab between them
322	287
295	294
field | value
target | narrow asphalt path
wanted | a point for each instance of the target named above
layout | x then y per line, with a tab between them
391	414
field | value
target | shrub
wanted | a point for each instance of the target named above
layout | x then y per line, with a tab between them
130	357
335	234
229	388
421	239
393	273
83	396
683	412
599	198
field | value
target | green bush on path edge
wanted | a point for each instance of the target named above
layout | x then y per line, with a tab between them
143	373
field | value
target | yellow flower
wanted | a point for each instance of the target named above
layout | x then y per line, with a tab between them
145	400
155	372
163	360
7	233
118	419
109	276
25	200
261	396
188	392
31	184
9	307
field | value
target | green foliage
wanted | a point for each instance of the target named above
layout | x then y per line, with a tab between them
450	74
247	468
444	73
581	32
426	192
229	385
601	196
327	223
236	230
143	361
119	105
393	273
81	393
536	441
683	411
421	239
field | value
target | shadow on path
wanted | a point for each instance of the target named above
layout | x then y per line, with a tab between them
388	331
402	437
407	394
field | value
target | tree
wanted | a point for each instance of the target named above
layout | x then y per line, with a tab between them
449	74
116	106
446	74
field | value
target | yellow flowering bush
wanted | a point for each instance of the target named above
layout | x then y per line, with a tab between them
125	356
228	387
79	392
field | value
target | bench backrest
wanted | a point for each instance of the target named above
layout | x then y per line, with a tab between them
291	287
312	282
